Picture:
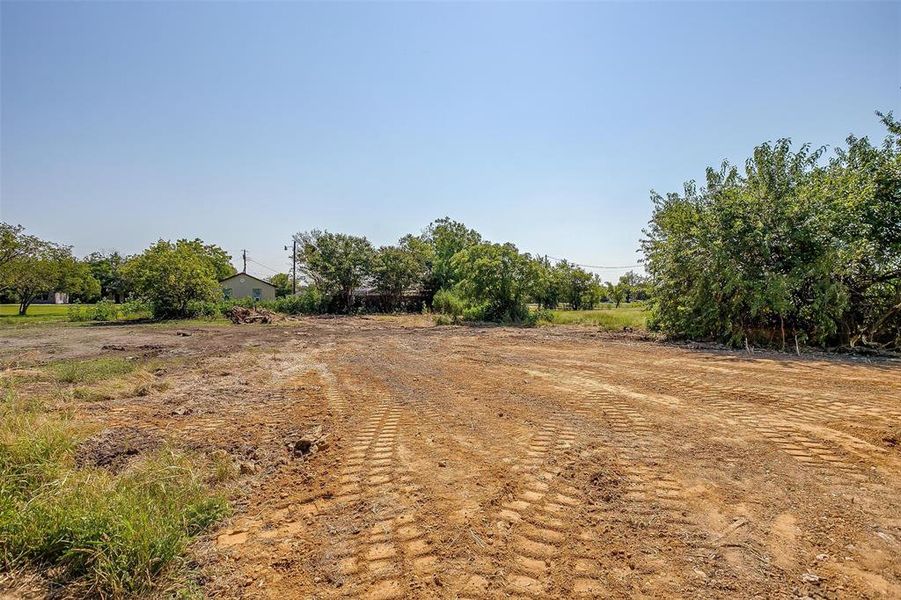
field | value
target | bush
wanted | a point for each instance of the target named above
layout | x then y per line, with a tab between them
174	277
110	535
198	309
448	303
135	309
308	302
77	313
787	250
105	310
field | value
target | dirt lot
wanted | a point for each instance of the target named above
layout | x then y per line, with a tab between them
495	462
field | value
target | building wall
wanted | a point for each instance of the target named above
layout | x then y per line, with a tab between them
242	286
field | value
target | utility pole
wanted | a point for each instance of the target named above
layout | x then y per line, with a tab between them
244	256
293	267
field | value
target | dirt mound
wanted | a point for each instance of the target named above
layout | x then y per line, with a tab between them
240	314
115	447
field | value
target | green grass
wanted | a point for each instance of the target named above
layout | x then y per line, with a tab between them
104	534
611	319
37	313
92	370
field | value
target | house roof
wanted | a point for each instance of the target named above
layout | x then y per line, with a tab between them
244	274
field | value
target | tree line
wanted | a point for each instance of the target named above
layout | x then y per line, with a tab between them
481	280
791	249
472	277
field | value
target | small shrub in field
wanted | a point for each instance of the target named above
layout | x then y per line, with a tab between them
135	309
77	313
475	313
109	535
443	320
203	309
306	303
448	303
105	310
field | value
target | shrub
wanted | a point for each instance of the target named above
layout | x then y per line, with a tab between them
448	303
110	535
788	249
77	313
308	302
173	277
105	310
135	309
203	309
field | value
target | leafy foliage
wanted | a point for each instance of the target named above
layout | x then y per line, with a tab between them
32	267
107	269
283	284
496	278
173	276
337	263
395	269
788	248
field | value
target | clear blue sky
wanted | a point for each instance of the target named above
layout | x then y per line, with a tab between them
545	124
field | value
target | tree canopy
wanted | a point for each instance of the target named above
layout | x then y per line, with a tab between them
172	276
337	263
787	248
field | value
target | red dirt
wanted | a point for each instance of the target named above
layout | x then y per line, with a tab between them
542	463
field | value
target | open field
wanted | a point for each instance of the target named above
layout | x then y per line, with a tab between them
608	318
37	313
498	462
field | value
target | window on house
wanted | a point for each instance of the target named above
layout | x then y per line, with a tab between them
227	293
257	294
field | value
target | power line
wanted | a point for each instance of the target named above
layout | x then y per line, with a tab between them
595	266
262	265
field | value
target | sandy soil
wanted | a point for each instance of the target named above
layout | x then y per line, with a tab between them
466	462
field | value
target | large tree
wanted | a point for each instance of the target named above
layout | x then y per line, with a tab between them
44	268
283	284
172	276
497	277
107	269
446	238
336	263
394	270
788	248
218	259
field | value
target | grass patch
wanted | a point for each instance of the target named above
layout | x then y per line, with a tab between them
92	370
37	313
611	319
105	534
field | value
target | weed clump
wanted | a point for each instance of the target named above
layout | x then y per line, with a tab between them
110	534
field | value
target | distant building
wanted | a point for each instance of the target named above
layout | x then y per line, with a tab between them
242	285
51	298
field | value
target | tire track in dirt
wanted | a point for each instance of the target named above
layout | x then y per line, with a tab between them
796	431
649	505
376	558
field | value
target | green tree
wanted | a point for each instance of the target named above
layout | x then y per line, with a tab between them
394	270
547	285
446	238
496	277
336	263
173	276
616	292
787	249
576	284
283	284
216	257
41	267
107	269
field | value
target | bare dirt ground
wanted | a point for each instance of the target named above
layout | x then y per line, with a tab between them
464	462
